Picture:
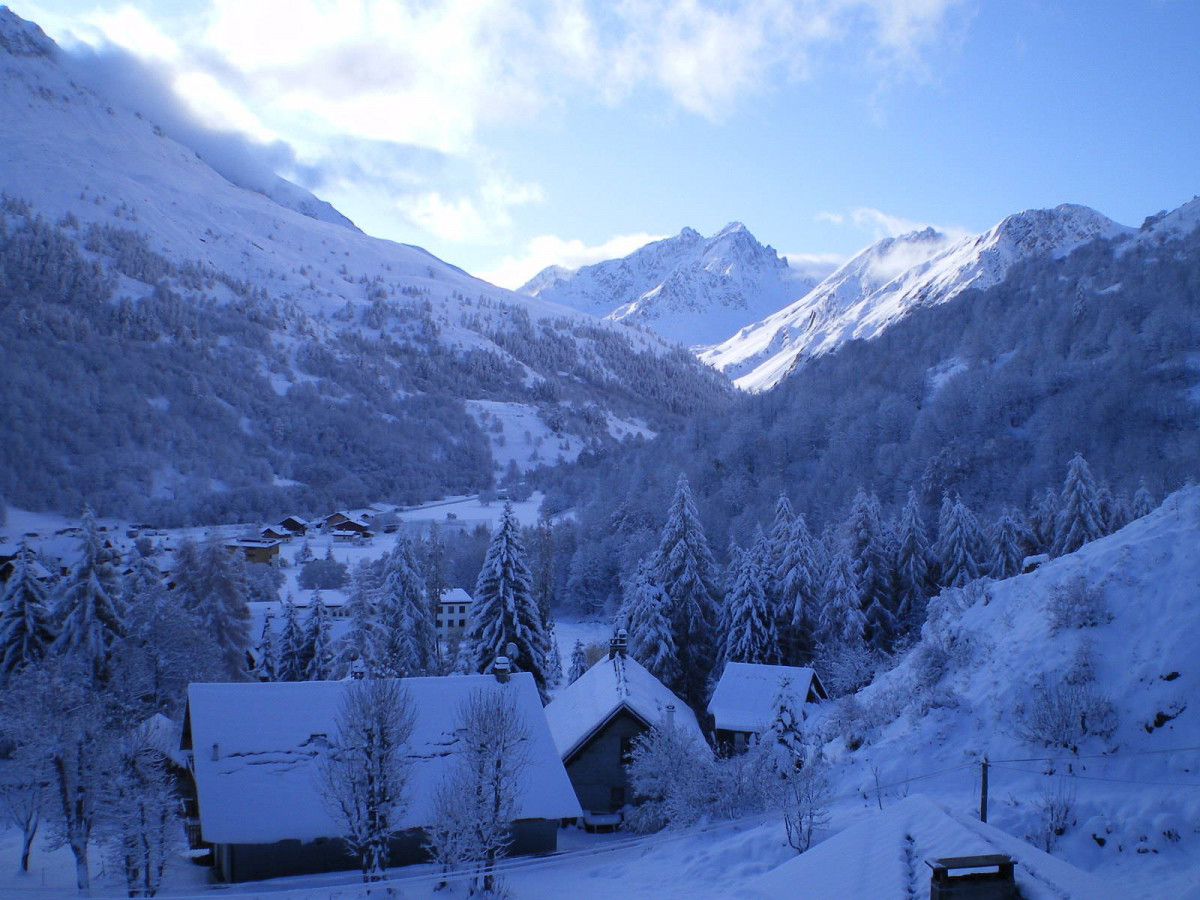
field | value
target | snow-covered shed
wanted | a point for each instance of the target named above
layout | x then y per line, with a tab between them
256	751
595	720
884	856
743	702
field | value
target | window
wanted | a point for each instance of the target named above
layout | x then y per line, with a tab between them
626	750
616	797
462	623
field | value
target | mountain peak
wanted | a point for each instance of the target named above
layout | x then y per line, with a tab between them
19	37
690	235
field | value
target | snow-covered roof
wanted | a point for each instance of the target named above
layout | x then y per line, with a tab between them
745	694
883	856
455	595
585	706
253	543
257	748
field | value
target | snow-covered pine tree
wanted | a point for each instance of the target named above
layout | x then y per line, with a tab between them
1044	521
1143	501
26	624
266	668
1079	515
554	666
1008	546
504	611
958	547
868	548
751	636
799	578
578	662
407	629
683	565
292	663
318	645
912	566
212	584
364	638
88	614
841	623
782	741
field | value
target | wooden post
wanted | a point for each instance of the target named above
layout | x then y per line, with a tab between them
983	789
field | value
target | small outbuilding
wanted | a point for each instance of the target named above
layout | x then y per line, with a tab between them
743	703
595	720
255	752
256	550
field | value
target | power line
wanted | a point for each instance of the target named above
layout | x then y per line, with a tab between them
1066	759
1195	784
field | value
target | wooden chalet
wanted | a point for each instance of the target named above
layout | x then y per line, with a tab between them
743	703
595	720
255	750
256	550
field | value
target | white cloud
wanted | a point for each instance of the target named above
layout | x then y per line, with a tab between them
473	217
551	250
879	225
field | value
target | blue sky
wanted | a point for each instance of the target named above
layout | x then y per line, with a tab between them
507	136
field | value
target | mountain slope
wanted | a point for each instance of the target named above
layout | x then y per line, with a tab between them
891	278
171	336
687	288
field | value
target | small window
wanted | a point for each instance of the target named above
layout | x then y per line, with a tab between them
626	751
616	797
462	623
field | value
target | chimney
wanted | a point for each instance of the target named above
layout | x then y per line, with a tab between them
618	645
358	670
500	668
669	717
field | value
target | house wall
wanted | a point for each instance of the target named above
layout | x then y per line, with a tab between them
597	768
254	862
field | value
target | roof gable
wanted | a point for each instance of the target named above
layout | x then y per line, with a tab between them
745	694
257	749
583	708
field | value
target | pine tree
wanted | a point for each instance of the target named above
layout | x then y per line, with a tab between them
578	663
26	626
1079	516
684	566
841	623
797	575
554	666
89	619
868	548
1044	521
913	575
292	663
409	635
318	647
1143	501
782	741
645	610
750	636
212	584
267	667
959	547
364	639
504	611
1007	546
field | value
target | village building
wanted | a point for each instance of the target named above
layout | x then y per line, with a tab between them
256	550
596	719
296	525
255	753
743	703
453	613
276	533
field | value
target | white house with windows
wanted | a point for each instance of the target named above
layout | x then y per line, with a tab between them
453	613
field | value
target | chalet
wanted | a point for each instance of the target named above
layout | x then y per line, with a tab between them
743	702
294	524
255	753
348	521
595	720
275	533
256	550
453	612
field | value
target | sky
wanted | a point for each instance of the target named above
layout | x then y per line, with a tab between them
508	136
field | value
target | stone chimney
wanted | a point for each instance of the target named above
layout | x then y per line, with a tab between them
669	717
619	644
501	669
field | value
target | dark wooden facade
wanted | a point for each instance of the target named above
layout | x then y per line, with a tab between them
597	768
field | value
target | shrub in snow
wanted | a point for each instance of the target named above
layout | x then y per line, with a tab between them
671	774
1062	714
845	668
1055	812
323	574
1077	604
805	800
1082	669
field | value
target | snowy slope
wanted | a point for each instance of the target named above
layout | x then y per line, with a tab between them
686	288
970	689
890	278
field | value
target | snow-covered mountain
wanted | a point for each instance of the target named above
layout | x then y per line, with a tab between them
351	322
687	288
891	278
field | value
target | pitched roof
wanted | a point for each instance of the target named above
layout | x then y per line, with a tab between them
585	706
744	695
257	751
883	856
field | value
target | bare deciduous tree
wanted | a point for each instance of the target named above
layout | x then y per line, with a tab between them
364	777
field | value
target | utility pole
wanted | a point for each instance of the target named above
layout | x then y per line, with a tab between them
983	789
